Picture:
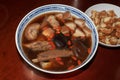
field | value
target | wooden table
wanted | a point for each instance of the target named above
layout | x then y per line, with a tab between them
104	66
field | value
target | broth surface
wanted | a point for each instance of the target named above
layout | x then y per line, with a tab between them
57	41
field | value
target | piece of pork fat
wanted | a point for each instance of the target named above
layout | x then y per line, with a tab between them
47	55
83	26
64	16
53	22
80	22
44	22
67	16
71	25
65	30
38	46
31	32
87	31
79	33
59	16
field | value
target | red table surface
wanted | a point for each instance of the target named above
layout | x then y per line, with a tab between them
104	66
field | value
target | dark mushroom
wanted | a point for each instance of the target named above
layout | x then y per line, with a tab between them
79	49
60	40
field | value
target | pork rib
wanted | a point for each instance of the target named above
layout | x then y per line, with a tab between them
47	55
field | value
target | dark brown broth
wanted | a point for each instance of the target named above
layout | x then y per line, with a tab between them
31	54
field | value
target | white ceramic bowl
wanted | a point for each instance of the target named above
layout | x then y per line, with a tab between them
104	6
55	8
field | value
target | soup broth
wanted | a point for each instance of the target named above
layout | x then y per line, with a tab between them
57	41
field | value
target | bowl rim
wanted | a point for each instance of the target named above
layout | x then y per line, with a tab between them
103	4
55	72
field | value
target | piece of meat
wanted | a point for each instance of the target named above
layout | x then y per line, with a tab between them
53	22
107	23
106	40
106	30
102	14
38	46
94	14
49	32
113	40
44	22
87	31
71	25
103	25
31	32
118	41
79	33
97	21
117	34
67	16
107	20
47	55
65	30
111	13
117	28
60	17
117	24
80	22
82	25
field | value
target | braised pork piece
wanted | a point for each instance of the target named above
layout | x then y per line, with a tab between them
57	41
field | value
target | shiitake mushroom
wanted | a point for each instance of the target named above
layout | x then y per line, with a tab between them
61	41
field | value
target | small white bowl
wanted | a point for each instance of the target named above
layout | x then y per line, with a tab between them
55	8
104	6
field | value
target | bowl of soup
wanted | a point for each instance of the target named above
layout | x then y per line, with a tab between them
56	39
